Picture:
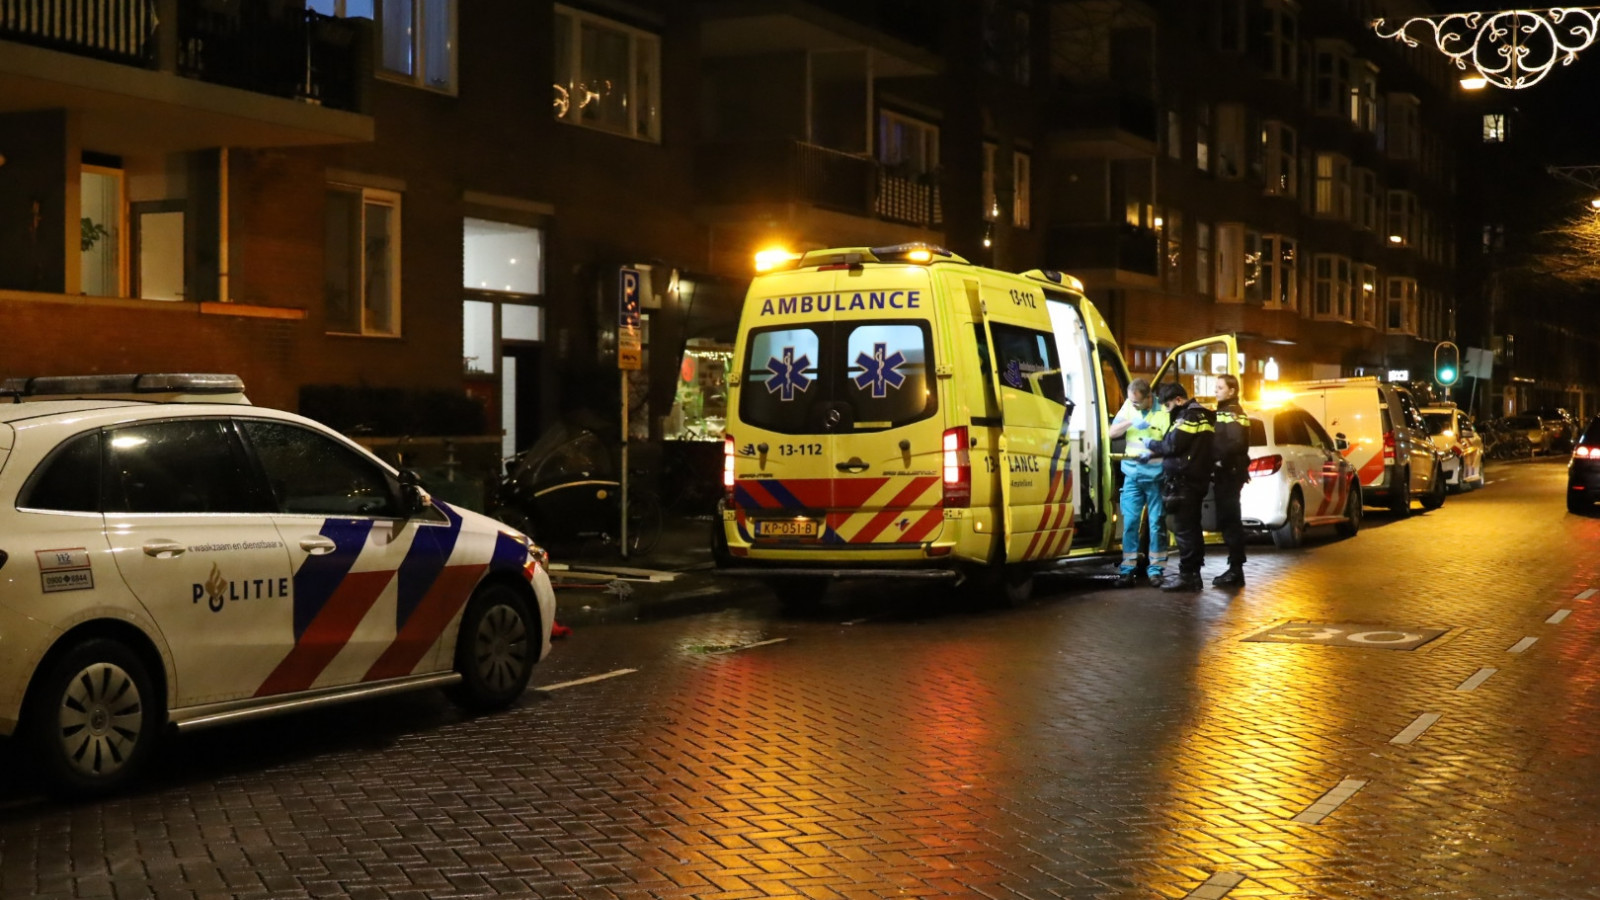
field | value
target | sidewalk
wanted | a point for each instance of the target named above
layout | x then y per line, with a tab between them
595	584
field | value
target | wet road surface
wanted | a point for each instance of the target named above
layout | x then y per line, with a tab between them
1272	741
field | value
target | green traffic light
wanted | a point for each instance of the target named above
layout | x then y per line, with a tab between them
1447	375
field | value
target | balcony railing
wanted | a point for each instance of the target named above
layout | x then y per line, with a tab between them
1080	247
298	55
787	171
120	31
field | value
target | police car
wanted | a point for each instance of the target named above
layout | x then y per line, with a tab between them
1299	477
173	558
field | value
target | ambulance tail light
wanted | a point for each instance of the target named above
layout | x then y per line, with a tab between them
1388	447
1262	466
727	466
957	468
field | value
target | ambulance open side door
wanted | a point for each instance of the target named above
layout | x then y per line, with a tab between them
1197	364
1034	455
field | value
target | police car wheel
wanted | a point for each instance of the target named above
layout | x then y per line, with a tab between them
1352	513
94	718
494	650
1293	530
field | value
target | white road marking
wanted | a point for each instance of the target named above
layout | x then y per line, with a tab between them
1330	801
1471	684
856	621
1585	595
1559	616
1415	729
756	644
1521	645
1216	886
590	680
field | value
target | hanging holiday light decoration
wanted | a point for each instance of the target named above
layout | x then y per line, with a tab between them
1512	49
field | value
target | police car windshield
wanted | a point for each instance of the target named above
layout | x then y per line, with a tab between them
837	377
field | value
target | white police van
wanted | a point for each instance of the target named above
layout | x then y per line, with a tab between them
173	557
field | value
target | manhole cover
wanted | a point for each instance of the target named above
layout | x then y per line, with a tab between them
1345	634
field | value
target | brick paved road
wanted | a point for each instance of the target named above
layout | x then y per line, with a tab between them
1094	744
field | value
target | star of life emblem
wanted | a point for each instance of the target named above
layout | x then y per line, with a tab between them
788	374
882	370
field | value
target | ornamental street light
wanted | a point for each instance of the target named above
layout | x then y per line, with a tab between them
1510	49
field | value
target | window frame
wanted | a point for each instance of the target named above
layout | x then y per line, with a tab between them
1280	272
1333	188
1494	128
1021	190
1332	276
649	107
927	135
1282	175
1406	304
394	201
255	487
1367	292
418	77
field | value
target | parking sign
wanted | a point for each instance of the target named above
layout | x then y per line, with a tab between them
629	347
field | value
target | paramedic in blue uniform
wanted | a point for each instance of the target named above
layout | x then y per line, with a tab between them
1141	485
1187	461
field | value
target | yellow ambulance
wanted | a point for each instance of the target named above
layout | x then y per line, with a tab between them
900	411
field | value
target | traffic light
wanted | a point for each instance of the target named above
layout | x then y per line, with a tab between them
1446	363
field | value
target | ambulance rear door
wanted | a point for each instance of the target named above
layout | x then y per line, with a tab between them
1022	364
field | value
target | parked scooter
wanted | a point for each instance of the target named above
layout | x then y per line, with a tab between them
564	490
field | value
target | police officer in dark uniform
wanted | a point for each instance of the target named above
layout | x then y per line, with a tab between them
1187	462
1232	445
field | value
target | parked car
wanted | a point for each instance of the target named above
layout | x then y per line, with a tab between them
174	565
1453	434
1299	478
1540	434
1583	470
1561	423
1385	438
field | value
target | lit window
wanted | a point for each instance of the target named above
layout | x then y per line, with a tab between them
417	40
1494	128
1333	186
607	75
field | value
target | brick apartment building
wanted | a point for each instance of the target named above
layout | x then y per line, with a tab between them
1266	167
382	193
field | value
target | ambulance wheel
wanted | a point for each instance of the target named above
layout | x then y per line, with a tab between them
495	649
1352	512
799	593
1000	585
1292	532
94	718
1400	493
1435	496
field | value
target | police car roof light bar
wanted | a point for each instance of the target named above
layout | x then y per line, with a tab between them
186	383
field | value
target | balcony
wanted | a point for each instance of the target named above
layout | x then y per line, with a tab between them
173	75
1117	254
1104	124
768	173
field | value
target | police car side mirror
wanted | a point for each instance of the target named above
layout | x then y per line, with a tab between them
1340	442
414	500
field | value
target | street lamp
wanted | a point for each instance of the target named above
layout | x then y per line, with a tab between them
1513	48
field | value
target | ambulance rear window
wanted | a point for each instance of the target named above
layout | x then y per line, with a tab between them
837	377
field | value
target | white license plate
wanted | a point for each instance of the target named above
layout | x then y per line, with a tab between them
788	528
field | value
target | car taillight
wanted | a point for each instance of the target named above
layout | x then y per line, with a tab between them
727	465
957	468
1584	451
1265	465
1388	446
